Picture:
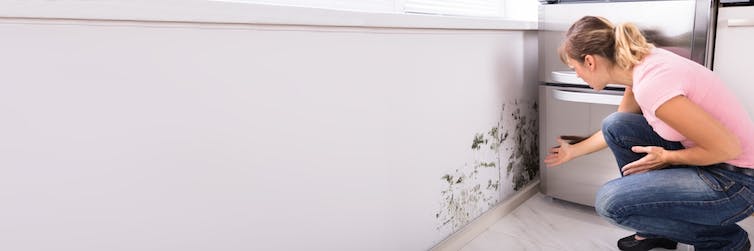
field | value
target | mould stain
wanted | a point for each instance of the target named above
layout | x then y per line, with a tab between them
524	159
476	186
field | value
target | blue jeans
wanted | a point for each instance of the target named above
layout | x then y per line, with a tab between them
697	205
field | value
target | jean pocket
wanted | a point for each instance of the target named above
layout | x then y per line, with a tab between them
744	202
715	180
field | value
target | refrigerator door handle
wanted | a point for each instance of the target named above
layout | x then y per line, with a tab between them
740	22
584	97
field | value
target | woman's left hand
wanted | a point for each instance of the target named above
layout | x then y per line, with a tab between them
652	161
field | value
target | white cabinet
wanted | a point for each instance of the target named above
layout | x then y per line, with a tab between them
579	112
734	52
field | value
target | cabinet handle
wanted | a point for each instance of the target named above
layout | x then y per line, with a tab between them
585	97
740	22
567	77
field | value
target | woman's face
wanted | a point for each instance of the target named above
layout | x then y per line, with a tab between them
589	72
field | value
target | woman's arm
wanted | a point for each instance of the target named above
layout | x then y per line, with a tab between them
628	102
566	151
714	142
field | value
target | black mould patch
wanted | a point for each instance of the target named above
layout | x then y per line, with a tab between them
510	145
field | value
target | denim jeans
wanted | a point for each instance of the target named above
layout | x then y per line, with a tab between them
696	205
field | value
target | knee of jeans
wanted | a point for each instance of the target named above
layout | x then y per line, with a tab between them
614	119
608	200
611	123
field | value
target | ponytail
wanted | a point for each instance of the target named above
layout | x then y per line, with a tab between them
630	46
623	45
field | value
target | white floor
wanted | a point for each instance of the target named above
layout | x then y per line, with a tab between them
542	223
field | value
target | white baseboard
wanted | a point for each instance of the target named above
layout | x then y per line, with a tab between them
463	236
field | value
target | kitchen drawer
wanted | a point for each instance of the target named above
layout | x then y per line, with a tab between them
575	111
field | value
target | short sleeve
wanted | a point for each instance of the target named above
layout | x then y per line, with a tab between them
658	88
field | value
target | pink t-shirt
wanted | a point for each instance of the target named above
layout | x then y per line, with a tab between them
663	75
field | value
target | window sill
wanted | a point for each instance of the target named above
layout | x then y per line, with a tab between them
227	11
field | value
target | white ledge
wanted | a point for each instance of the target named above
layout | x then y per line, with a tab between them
227	11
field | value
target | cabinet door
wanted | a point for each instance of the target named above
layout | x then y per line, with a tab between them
579	179
734	52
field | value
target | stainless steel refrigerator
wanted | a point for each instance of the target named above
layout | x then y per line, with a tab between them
570	107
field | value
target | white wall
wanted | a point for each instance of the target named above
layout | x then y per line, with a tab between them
522	10
160	136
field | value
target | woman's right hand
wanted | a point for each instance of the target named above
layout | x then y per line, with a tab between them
559	154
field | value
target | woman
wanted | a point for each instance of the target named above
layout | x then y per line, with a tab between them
684	145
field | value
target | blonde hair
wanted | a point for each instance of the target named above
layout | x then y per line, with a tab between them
624	45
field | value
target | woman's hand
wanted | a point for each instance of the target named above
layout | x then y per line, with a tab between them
652	161
559	154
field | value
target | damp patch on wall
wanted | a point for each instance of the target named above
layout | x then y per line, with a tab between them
523	159
504	159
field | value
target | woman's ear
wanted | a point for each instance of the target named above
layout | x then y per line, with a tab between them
589	61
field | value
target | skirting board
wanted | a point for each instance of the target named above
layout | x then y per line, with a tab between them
467	233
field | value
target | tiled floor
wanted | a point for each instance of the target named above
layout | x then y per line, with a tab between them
542	223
